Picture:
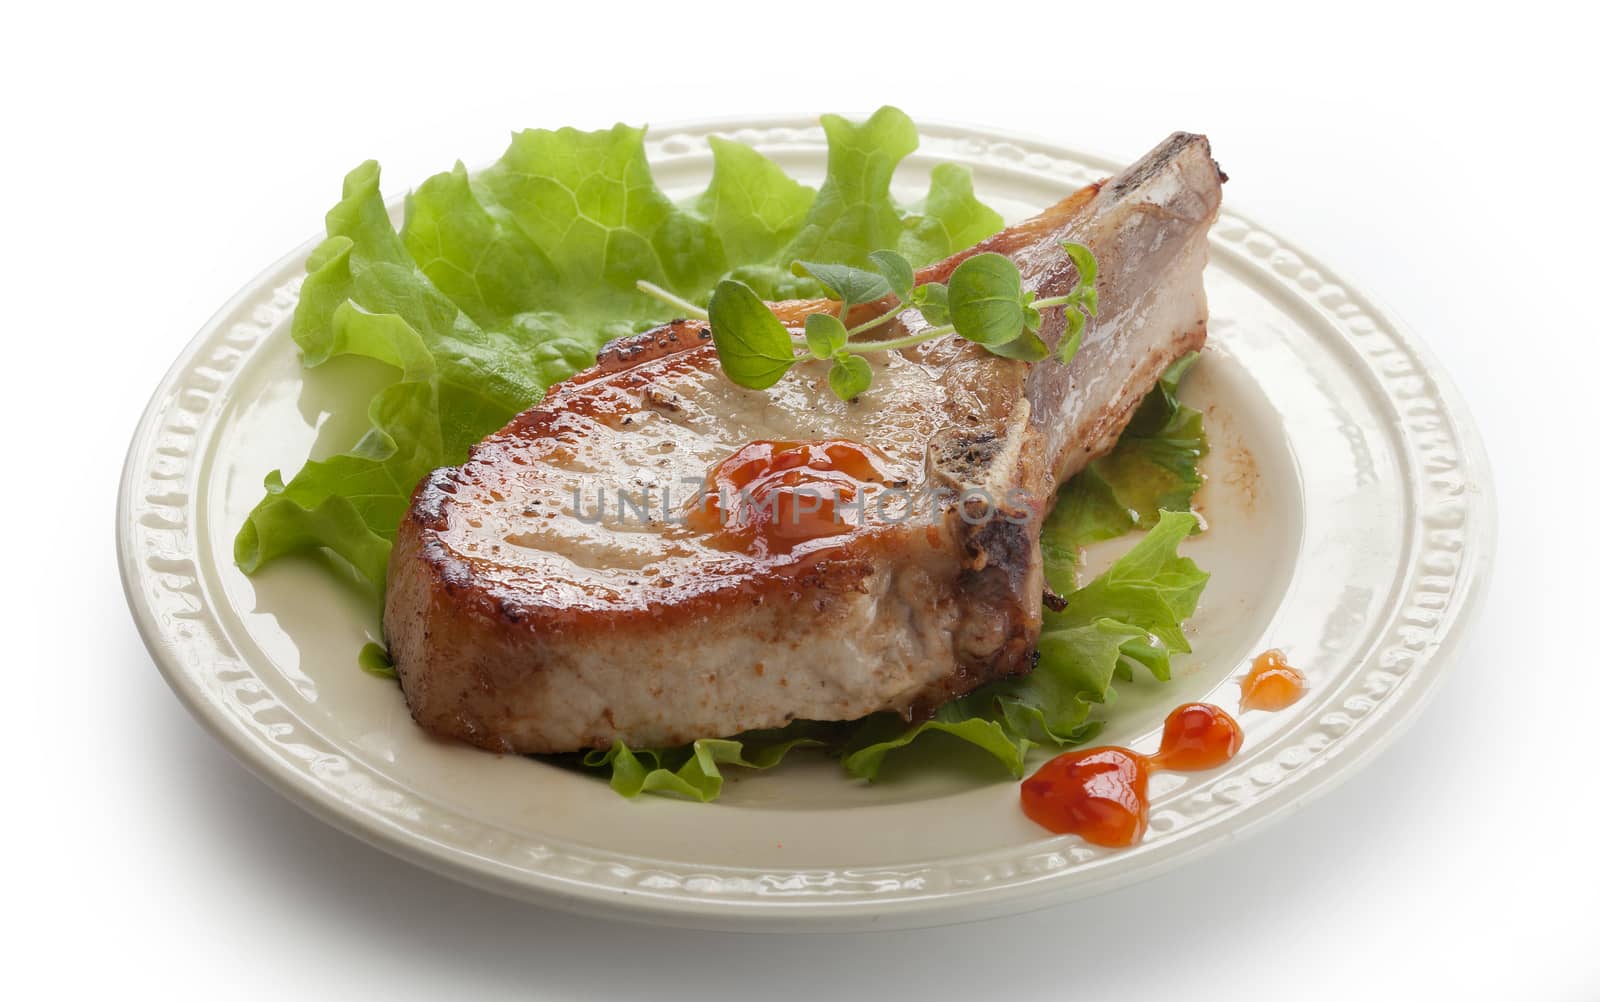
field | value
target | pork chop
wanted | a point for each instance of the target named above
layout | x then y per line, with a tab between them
563	588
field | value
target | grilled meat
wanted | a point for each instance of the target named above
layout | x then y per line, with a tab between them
562	588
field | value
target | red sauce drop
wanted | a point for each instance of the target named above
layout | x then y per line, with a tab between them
1197	736
1102	794
1271	683
771	496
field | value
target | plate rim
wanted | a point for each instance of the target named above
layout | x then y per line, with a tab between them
829	910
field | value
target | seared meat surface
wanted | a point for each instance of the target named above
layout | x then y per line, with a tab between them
546	595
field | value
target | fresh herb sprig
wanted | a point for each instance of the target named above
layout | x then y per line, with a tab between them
984	302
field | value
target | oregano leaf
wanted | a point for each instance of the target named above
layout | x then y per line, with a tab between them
849	376
753	345
985	299
896	270
825	334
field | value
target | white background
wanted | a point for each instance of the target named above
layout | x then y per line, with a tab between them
155	159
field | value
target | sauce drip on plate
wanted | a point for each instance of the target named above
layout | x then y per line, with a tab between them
1197	736
1102	794
1271	683
770	496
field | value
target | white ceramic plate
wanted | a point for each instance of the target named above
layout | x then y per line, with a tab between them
1350	523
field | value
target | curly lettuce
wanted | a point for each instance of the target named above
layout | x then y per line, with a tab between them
693	771
502	283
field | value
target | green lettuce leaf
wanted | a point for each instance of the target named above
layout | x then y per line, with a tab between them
754	207
967	718
950	219
374	660
691	772
587	200
501	284
1076	667
1131	615
853	214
